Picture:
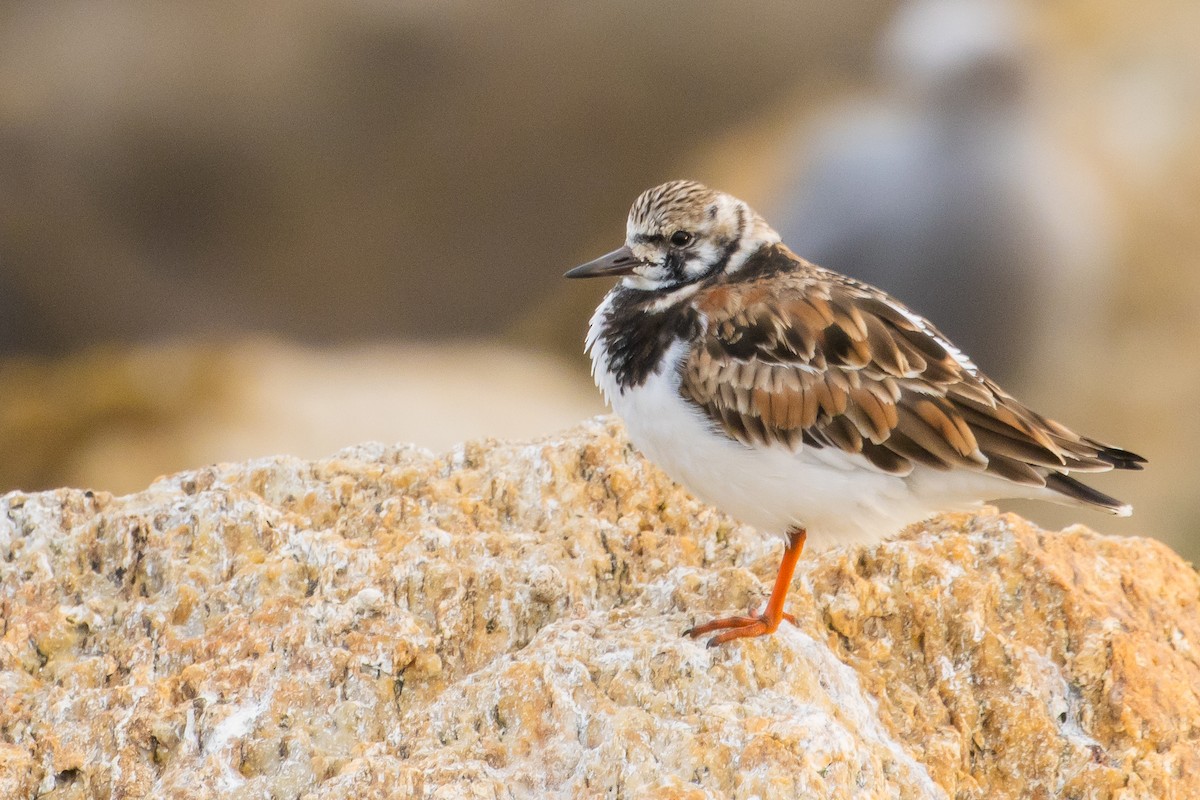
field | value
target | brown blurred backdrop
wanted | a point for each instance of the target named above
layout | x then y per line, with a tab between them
231	230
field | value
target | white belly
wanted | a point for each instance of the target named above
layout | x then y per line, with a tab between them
837	497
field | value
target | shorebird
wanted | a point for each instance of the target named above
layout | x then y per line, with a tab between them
796	399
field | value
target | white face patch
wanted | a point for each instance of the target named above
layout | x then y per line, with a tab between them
648	278
651	275
704	255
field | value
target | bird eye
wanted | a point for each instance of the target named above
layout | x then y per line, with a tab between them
682	238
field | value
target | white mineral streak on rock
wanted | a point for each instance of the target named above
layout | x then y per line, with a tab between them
222	738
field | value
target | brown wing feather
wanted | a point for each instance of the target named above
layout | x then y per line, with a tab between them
807	357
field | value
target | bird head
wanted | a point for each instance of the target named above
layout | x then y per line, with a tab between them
680	233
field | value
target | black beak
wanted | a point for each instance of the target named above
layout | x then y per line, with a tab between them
621	261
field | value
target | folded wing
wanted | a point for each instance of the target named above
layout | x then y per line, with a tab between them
812	359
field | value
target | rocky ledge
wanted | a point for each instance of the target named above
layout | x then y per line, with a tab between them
504	621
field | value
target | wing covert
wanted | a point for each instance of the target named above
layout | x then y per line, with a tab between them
816	360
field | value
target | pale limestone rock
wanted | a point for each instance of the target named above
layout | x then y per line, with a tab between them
504	621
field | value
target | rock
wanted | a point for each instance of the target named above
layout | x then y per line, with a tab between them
504	621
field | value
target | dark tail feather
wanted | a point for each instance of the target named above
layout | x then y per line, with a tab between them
1068	486
1120	459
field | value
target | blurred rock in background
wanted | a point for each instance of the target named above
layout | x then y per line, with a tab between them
951	192
356	169
114	418
352	173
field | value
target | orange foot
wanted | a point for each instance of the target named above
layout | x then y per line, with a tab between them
739	627
766	622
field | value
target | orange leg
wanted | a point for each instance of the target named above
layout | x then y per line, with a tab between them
741	627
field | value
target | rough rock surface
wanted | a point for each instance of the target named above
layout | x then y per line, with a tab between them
503	621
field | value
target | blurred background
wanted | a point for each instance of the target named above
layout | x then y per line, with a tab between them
232	230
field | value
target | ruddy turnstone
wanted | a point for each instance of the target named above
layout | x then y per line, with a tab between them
797	399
